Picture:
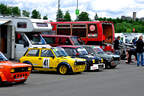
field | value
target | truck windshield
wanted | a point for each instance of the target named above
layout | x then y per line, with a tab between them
36	38
76	41
82	51
2	57
59	52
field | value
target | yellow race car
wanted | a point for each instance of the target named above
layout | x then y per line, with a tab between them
53	59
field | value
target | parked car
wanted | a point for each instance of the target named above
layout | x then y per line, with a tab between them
93	63
11	72
111	60
53	59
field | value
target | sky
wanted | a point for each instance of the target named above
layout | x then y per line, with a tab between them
104	8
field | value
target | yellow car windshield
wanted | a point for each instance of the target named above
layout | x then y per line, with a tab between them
59	52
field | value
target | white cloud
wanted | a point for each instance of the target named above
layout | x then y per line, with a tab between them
104	8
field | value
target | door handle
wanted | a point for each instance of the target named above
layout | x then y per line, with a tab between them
40	58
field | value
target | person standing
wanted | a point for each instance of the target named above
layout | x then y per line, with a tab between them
117	46
134	40
139	50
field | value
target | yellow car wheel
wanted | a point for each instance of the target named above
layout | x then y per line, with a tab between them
63	69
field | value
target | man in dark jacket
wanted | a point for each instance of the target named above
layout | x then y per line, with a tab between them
117	46
131	51
134	41
139	50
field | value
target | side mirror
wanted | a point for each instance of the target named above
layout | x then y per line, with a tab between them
77	54
53	57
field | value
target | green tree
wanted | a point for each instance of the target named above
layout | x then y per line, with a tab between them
96	17
4	10
109	19
100	19
45	17
16	11
9	11
36	14
59	16
26	13
84	16
67	16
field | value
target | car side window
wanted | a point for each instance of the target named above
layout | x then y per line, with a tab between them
67	42
62	41
70	51
50	40
33	52
46	53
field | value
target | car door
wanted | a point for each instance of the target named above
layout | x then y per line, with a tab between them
47	59
33	57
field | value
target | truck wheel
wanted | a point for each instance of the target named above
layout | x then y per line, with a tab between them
63	70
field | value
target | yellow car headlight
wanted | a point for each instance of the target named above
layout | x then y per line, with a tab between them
12	70
29	68
93	60
101	60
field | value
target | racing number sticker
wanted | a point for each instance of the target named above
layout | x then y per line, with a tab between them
46	63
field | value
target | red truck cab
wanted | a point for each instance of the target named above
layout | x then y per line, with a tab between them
12	72
91	32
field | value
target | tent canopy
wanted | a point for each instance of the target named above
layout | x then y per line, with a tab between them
3	21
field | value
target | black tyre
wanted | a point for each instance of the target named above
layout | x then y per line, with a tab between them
107	66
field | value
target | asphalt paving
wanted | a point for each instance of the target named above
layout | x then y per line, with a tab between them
125	80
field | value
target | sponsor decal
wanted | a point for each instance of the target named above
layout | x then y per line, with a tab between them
92	28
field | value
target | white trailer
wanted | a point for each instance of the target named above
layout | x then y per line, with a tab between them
17	34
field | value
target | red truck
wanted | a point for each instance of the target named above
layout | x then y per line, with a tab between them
91	32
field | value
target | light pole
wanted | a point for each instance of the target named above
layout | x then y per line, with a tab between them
58	4
77	4
77	11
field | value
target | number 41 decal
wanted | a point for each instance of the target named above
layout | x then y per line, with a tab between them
46	63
